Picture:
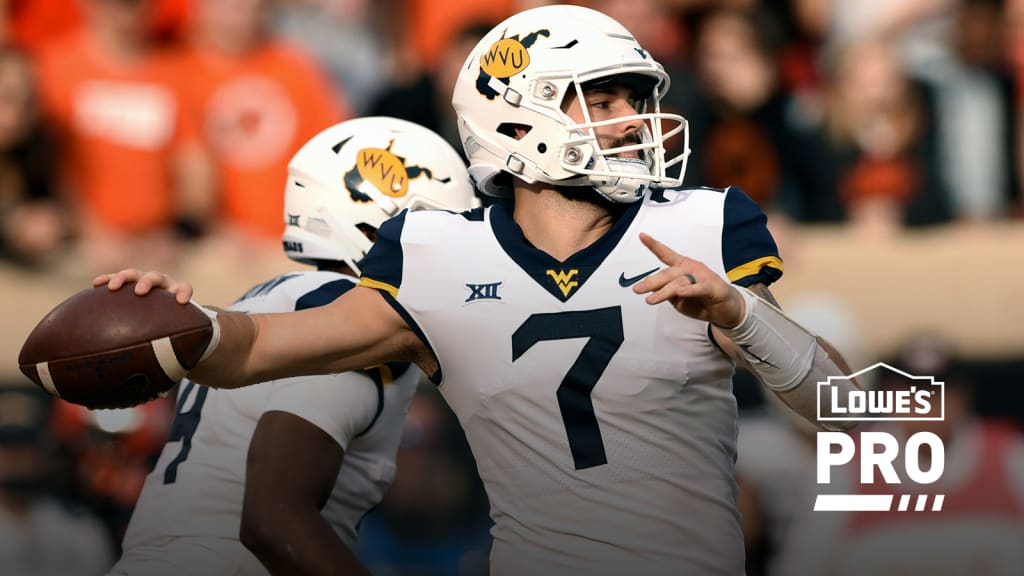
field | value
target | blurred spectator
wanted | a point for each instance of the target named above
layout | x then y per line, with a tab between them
422	29
111	452
740	133
31	24
881	169
39	536
33	224
808	25
975	112
433	521
917	29
259	99
131	159
343	36
980	527
427	101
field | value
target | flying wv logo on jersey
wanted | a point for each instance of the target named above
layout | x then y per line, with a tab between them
382	169
504	59
567	281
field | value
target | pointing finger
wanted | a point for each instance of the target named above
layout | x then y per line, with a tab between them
663	252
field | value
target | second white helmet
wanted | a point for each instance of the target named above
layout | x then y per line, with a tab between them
353	176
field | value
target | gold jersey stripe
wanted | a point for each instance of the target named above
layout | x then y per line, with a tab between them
378	285
754	266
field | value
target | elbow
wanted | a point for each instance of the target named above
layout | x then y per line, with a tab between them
261	532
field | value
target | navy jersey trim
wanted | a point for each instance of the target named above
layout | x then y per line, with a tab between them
382	376
324	294
382	266
437	376
265	287
560	279
474	215
749	253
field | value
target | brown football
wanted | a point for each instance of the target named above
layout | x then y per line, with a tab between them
104	349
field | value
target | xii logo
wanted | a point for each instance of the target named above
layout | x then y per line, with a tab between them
483	292
906	399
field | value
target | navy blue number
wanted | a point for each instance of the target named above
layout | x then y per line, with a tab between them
184	427
603	329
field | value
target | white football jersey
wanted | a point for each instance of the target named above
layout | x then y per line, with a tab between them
193	498
604	429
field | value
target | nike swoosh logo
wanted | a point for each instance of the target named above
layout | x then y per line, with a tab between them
626	282
746	348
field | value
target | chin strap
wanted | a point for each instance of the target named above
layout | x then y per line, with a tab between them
624	189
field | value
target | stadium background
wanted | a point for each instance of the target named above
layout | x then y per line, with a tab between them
882	137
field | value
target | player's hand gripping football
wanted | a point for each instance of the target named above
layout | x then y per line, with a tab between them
144	282
691	287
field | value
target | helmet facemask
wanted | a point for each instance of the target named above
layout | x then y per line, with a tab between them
612	171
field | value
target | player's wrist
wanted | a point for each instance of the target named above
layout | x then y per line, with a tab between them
781	350
738	303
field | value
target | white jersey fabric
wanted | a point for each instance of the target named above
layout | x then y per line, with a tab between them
604	429
188	516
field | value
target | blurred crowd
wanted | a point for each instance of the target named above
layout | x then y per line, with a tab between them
133	130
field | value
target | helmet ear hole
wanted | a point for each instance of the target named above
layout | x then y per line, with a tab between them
369	231
542	147
513	130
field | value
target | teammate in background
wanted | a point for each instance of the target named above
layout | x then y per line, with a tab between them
602	422
322	448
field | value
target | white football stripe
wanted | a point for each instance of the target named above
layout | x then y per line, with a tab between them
168	361
43	369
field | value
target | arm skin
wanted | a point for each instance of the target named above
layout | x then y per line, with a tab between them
291	471
357	330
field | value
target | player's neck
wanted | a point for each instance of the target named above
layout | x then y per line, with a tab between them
559	224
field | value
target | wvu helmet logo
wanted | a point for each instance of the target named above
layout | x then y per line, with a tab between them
504	59
384	170
567	281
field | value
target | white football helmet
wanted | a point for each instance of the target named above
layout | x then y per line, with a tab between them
357	174
516	79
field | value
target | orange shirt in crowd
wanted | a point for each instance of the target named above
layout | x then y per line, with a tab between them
256	111
33	23
119	126
432	24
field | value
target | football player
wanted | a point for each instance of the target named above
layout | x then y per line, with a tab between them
585	335
313	454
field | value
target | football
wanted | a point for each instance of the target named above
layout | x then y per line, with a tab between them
104	349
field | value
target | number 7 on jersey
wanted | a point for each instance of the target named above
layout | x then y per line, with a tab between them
603	329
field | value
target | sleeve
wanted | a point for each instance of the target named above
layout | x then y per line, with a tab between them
342	405
382	271
748	249
382	267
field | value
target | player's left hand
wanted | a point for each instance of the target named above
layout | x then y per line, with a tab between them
691	287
